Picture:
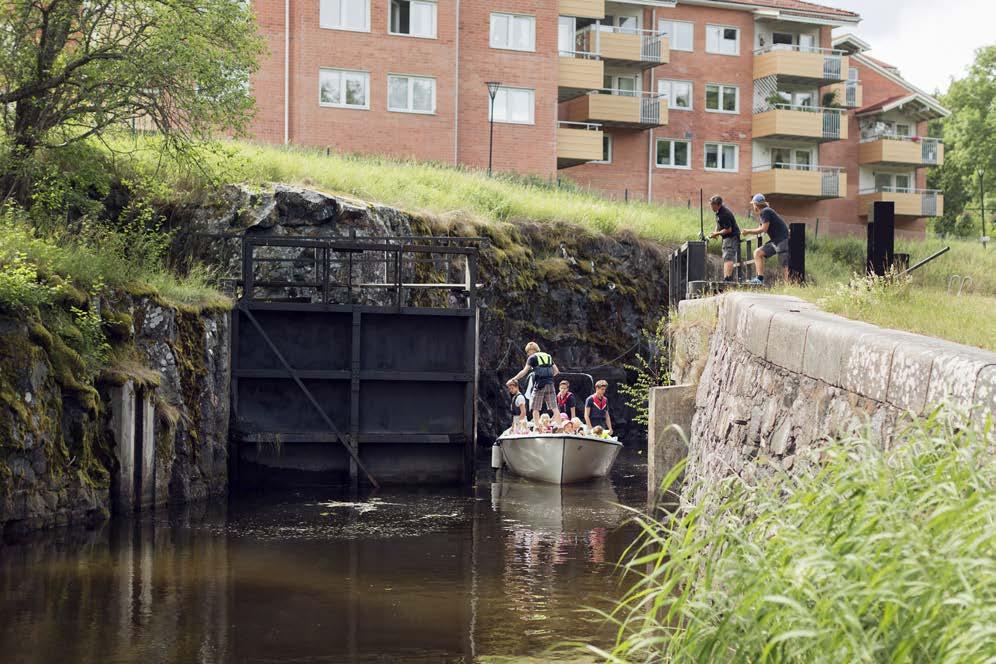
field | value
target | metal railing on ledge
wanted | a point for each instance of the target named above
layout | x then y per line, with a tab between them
882	189
868	137
797	48
587	126
581	55
797	167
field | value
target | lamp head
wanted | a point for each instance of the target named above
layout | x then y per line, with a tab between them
493	88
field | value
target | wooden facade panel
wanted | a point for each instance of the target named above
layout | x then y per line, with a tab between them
888	151
795	64
579	73
907	205
582	8
618	46
783	122
579	144
605	108
808	184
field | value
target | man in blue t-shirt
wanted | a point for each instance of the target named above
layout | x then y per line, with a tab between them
778	237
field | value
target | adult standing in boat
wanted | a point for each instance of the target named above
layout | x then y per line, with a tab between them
517	406
566	401
544	370
596	408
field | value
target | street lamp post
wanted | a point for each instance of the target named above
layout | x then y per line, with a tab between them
982	203
492	91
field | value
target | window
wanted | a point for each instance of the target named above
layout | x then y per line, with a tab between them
903	130
411	94
626	86
339	87
513	31
413	17
677	94
722	40
721	157
785	157
852	75
606	150
514	105
566	29
673	154
680	34
899	182
345	14
722	98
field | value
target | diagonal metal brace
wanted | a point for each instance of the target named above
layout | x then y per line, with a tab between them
314	402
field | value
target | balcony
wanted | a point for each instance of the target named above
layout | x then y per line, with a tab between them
582	8
801	64
796	181
849	94
579	73
893	150
577	143
909	202
623	46
785	121
618	108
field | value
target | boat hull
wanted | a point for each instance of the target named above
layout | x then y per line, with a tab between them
559	459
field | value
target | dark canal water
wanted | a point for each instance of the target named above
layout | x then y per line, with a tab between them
500	572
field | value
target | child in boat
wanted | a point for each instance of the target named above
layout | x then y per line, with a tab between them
544	424
578	426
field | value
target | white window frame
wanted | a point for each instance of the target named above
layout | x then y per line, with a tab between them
721	86
325	22
711	26
511	17
435	20
672	42
670	93
794	151
411	94
532	107
673	141
606	142
719	153
893	187
357	107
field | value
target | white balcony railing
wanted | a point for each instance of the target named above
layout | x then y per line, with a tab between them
588	40
832	117
829	175
833	59
928	197
650	102
851	93
930	148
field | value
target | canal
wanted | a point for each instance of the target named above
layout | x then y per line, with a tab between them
501	570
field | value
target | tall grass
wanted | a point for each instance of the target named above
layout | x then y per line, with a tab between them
871	556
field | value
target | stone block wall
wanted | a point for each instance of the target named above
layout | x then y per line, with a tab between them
781	377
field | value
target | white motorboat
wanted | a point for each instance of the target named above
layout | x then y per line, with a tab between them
558	458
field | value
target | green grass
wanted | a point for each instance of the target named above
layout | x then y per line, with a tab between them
866	556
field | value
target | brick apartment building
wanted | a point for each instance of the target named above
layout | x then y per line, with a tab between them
645	99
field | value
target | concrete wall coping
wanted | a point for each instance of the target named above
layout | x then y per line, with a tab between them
909	371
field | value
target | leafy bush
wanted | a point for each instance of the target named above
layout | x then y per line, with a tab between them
651	370
872	555
20	288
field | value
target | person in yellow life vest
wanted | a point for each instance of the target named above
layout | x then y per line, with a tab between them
544	370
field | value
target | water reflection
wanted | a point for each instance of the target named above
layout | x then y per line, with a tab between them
404	575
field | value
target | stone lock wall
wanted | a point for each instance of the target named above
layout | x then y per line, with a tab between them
781	377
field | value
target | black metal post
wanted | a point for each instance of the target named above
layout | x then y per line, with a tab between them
493	87
982	203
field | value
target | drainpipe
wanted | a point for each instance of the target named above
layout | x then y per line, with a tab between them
456	92
286	72
650	134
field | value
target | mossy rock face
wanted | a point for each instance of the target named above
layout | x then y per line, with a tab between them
118	326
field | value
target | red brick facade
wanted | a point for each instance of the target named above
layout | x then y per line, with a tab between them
461	60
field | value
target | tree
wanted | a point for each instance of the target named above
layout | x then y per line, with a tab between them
71	70
969	140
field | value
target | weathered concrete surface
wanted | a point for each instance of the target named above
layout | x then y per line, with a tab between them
122	407
781	378
671	411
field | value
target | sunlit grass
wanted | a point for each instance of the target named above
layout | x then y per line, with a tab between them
866	556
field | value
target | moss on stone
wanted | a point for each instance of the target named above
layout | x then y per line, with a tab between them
188	349
117	325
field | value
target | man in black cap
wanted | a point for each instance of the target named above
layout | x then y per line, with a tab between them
726	228
778	238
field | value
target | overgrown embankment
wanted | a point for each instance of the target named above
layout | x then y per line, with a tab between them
76	322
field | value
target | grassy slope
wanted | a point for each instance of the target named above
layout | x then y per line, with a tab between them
443	190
